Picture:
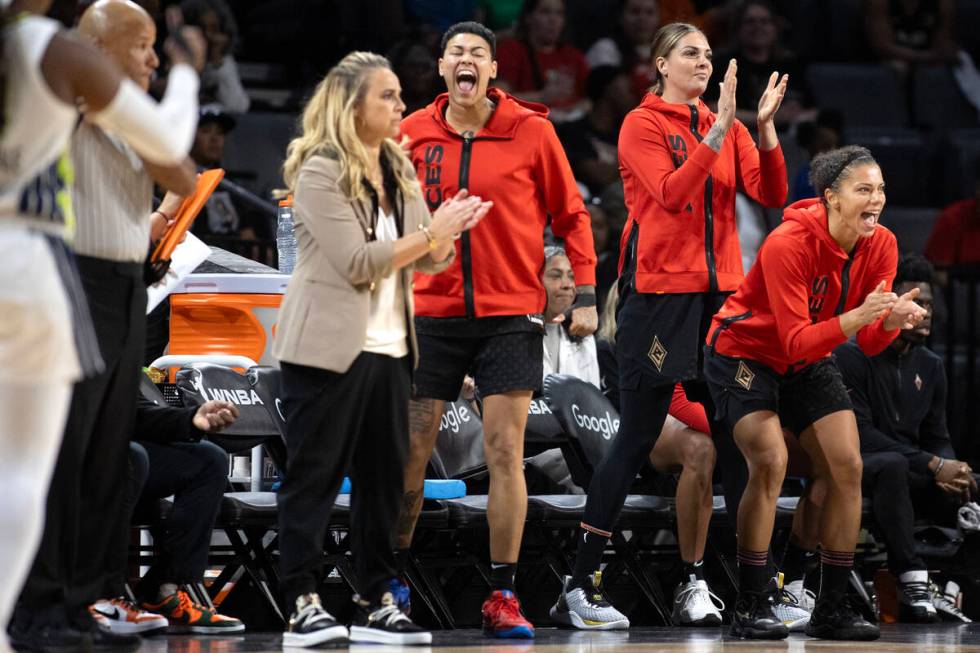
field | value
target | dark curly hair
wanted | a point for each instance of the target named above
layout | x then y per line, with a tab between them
829	169
914	268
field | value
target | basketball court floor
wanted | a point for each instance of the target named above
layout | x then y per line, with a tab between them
940	638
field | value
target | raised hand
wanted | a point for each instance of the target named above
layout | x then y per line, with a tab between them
457	214
726	109
772	97
876	303
726	98
906	314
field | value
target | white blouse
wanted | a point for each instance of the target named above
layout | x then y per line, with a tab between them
387	332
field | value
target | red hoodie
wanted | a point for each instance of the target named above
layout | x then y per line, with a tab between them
681	193
516	161
786	314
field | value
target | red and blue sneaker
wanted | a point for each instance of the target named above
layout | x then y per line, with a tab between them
402	594
502	617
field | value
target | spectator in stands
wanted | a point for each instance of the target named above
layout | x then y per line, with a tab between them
169	458
955	238
899	399
590	142
224	216
904	33
475	316
346	341
673	152
499	15
416	70
112	198
821	135
220	81
768	366
685	448
629	46
758	50
539	66
564	354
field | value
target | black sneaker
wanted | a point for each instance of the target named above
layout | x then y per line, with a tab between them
310	624
754	618
834	618
385	624
37	639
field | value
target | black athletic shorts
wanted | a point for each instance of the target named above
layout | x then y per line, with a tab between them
740	386
500	353
660	336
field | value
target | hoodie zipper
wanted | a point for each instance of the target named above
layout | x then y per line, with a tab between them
845	282
709	222
465	249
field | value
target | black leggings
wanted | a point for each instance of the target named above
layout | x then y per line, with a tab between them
642	414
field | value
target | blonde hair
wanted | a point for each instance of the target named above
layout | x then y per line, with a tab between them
607	321
328	128
664	42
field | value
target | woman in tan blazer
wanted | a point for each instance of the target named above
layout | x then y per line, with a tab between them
345	338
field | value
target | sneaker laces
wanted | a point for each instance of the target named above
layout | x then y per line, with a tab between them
389	614
311	610
593	594
185	603
694	592
917	591
760	604
506	606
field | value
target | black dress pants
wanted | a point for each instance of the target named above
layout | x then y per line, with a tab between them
86	520
196	474
356	421
886	481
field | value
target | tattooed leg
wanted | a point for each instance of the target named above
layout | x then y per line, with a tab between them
423	417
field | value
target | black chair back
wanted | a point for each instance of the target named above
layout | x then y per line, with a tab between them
584	413
459	447
201	382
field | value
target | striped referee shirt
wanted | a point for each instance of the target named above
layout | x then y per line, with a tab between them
112	197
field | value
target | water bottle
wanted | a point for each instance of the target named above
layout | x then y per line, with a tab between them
285	238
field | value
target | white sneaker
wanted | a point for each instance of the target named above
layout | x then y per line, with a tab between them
696	605
915	601
947	603
587	609
793	604
968	517
123	617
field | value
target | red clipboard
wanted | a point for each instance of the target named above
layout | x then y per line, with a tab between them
189	209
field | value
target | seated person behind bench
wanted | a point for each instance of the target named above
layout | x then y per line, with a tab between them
168	457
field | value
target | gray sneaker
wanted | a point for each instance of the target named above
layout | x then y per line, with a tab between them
947	603
587	609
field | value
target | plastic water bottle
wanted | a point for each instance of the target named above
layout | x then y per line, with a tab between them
285	237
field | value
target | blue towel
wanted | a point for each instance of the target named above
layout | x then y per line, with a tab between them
434	488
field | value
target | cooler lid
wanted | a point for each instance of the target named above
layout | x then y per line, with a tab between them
242	284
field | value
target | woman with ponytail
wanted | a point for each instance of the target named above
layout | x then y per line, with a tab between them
346	341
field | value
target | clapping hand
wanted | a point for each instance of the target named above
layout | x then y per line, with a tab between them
772	97
906	314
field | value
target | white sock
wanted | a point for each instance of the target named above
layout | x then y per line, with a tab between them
166	591
32	423
915	576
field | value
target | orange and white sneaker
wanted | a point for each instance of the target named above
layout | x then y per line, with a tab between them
188	617
123	617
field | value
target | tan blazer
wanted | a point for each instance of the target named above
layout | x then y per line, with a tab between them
323	317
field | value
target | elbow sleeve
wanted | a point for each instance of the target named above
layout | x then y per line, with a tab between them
162	133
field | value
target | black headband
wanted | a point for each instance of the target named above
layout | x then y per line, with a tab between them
851	158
